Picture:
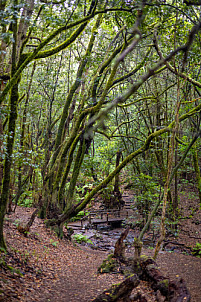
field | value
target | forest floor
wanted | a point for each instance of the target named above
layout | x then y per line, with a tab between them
40	267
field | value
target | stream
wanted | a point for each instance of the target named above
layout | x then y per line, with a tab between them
104	238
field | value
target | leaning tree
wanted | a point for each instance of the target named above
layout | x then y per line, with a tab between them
116	49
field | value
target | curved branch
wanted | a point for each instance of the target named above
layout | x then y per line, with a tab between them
77	208
135	70
192	34
28	57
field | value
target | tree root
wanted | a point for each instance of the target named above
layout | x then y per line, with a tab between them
119	291
143	268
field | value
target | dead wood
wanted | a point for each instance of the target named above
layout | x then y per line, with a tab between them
174	291
182	245
146	268
119	291
25	228
119	251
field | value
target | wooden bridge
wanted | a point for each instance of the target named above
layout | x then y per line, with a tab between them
99	217
113	217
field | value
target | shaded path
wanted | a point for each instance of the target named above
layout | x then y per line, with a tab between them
188	267
81	282
69	273
176	265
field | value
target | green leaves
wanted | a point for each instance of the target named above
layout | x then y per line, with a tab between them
81	238
197	250
54	243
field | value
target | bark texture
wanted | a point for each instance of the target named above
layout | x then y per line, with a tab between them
119	291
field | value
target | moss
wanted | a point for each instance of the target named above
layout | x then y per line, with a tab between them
144	257
165	282
109	265
163	286
151	266
128	272
65	44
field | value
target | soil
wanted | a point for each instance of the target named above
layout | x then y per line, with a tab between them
40	267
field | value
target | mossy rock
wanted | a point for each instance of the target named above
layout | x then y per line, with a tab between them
109	265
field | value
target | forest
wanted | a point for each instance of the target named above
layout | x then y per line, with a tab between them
99	98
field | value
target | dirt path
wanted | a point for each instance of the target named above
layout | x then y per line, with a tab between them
189	268
53	270
82	283
176	265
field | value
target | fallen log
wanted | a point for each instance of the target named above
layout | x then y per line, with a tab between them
25	228
174	291
119	291
146	269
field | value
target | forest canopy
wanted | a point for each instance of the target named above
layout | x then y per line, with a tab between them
93	88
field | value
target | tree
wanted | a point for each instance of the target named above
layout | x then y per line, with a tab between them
114	55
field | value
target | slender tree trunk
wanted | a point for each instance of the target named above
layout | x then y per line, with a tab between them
175	202
117	194
168	177
1	150
10	138
8	160
20	187
197	171
2	43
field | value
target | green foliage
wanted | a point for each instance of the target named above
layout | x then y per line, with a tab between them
197	250
147	192
54	243
107	192
16	222
103	160
26	203
130	117
26	199
109	265
80	215
81	238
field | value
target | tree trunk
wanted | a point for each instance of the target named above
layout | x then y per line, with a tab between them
119	251
11	135
22	134
168	176
8	159
174	291
175	202
117	193
25	228
1	149
2	241
119	291
197	171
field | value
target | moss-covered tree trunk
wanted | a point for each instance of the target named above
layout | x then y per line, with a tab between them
117	192
168	176
197	171
10	137
22	134
8	160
